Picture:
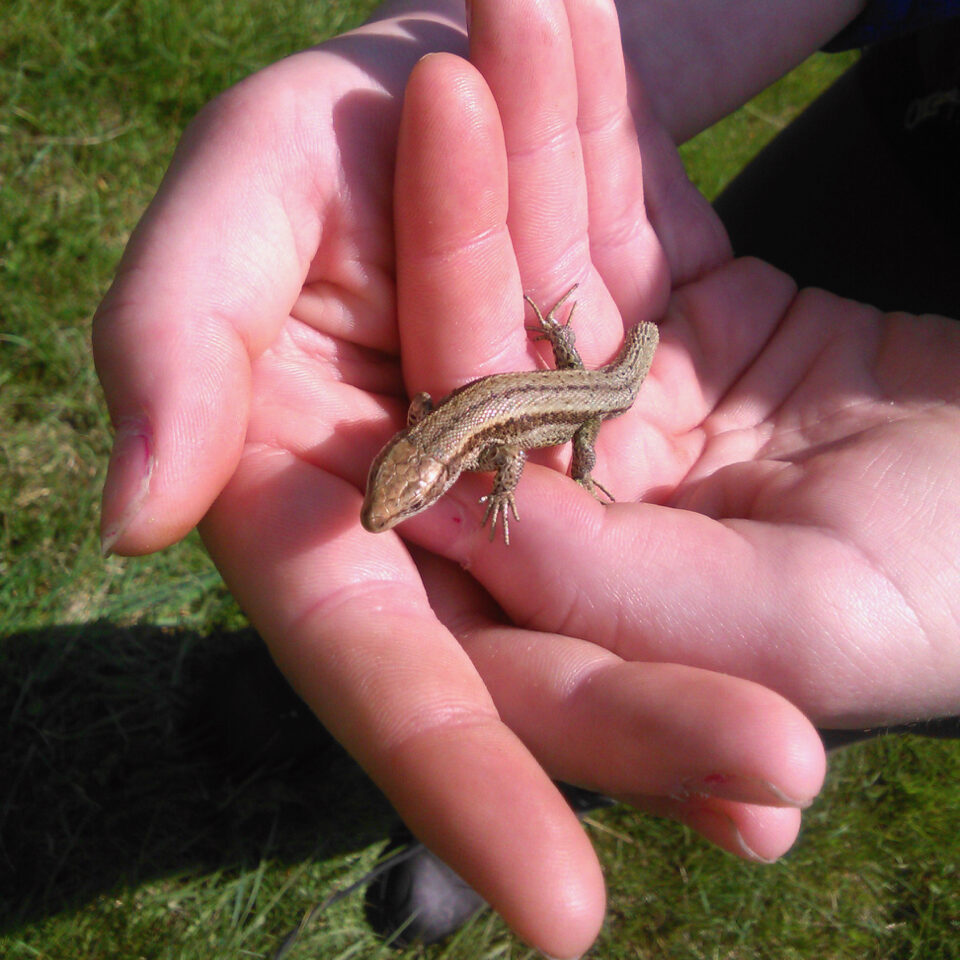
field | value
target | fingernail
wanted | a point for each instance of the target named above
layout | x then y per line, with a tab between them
701	818
741	789
747	852
128	479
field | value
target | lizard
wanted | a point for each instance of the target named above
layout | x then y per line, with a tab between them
489	423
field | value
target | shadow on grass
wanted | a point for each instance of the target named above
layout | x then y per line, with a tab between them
133	753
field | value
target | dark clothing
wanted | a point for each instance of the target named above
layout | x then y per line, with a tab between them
861	194
885	19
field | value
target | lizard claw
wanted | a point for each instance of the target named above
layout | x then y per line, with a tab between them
550	319
499	506
591	486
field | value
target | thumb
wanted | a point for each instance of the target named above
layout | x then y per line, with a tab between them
204	286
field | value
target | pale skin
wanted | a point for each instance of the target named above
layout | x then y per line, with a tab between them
251	357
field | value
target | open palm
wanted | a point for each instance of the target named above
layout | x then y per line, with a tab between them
795	453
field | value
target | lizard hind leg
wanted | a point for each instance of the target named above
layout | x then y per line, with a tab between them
559	335
585	459
550	319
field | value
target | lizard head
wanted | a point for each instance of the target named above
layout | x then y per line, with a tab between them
403	481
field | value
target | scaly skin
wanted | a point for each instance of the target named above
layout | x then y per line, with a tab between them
487	424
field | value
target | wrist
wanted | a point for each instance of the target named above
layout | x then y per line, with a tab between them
700	60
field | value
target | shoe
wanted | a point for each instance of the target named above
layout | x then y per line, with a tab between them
421	900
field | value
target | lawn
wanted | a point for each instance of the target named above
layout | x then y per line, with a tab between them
131	825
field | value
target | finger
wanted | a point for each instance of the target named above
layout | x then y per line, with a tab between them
665	729
536	83
632	728
731	759
623	245
347	620
458	287
762	834
692	237
525	54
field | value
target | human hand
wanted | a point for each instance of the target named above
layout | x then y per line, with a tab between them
796	455
248	350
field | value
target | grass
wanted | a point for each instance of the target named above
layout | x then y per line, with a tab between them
123	830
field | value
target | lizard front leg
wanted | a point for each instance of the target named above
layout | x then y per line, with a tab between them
420	406
508	460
